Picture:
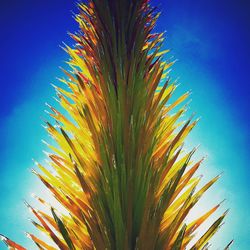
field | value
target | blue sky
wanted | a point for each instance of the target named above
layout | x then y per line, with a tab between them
211	41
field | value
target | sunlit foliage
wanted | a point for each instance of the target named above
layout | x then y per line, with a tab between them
119	166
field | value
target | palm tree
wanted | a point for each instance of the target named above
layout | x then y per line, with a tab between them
120	170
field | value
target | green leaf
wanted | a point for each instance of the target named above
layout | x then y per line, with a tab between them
63	230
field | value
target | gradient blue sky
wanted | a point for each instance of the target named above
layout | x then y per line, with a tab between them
210	39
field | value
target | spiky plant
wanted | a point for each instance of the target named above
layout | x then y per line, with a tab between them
119	167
